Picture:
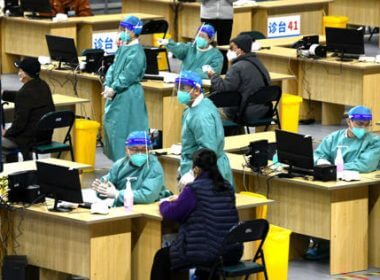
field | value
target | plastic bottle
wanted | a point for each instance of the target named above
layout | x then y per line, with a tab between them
339	163
128	195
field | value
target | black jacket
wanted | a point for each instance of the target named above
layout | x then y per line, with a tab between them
245	79
32	101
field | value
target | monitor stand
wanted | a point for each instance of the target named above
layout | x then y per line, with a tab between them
59	209
64	67
295	172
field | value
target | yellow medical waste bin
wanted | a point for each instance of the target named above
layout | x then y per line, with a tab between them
161	57
85	133
289	112
334	21
276	253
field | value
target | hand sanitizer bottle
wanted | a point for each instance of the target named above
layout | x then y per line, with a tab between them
128	195
339	163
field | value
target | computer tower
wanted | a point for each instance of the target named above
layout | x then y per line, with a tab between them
17	268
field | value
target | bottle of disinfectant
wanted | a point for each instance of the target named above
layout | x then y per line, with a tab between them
339	163
128	195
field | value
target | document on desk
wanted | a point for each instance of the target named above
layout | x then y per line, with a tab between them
168	76
89	195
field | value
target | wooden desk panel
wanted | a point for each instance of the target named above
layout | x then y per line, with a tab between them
358	12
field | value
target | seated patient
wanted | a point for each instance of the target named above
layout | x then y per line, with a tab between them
360	148
206	212
32	101
148	182
244	78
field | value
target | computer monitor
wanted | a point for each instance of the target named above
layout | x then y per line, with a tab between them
36	6
347	43
59	182
62	49
151	61
295	150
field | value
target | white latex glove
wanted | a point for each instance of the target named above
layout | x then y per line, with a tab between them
107	190
322	161
163	42
187	178
207	68
110	92
255	46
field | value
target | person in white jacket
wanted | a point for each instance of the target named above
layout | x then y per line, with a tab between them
219	13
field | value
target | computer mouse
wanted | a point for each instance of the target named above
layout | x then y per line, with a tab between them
99	208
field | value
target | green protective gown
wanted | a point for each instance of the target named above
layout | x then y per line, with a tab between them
361	155
126	112
147	188
193	59
202	128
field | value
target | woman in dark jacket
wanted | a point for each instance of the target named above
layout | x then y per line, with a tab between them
206	212
32	101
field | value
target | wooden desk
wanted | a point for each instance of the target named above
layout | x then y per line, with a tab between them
148	230
26	37
330	84
31	165
164	111
346	213
93	246
246	18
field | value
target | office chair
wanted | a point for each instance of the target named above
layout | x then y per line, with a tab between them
157	26
255	35
45	129
248	231
270	96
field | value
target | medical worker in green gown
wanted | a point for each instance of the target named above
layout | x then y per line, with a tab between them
125	109
142	168
360	148
201	125
201	52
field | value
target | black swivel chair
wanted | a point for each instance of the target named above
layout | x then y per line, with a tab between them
255	230
45	129
255	35
269	96
157	26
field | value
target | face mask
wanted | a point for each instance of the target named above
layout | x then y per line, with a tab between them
139	159
125	36
359	132
183	97
201	43
231	55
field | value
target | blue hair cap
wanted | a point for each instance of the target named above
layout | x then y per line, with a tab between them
138	138
209	30
133	24
360	113
189	78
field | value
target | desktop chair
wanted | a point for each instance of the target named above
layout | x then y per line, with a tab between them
267	95
248	231
11	154
158	26
46	126
255	35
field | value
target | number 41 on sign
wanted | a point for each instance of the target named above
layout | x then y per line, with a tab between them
284	26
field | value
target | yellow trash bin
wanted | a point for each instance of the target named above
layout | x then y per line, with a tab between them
85	133
334	21
276	253
161	57
289	112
